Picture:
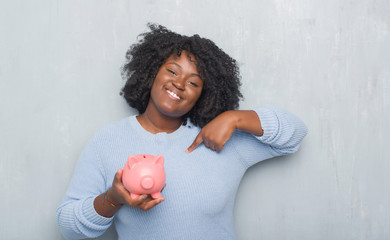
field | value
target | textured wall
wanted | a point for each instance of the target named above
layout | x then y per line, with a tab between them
326	61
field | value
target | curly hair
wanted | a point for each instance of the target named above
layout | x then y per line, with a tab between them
217	69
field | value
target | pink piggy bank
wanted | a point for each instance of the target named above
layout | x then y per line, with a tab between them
144	174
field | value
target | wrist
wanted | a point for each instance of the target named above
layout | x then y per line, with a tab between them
110	199
236	118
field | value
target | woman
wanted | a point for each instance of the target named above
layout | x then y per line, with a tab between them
186	91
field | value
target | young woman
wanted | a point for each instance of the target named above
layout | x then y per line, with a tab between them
186	91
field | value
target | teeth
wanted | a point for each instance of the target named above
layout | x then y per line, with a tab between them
173	94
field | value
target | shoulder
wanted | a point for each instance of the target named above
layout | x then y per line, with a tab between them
114	129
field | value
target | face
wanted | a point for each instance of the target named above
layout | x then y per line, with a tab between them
176	87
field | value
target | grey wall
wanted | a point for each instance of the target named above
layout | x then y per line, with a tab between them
326	61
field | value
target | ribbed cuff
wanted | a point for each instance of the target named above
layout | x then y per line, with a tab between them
269	123
92	216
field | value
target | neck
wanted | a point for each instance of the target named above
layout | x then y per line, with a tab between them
156	123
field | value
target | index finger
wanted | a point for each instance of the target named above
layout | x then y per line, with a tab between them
198	140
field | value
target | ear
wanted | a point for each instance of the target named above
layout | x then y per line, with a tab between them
131	161
159	160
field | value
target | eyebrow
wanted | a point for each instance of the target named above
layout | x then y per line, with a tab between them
194	74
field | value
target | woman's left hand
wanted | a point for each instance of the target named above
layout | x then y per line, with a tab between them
219	130
216	133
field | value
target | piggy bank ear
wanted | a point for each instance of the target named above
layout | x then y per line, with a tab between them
132	161
159	160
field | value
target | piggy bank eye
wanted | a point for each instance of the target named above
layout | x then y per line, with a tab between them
144	156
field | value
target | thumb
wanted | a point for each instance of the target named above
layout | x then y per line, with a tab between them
118	175
198	140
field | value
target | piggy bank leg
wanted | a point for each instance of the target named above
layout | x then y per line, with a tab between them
134	195
156	195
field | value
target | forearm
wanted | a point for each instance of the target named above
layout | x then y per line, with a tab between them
275	127
78	219
248	121
105	206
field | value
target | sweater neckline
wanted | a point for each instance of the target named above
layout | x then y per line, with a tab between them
138	127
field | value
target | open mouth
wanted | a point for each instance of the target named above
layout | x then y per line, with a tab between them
173	95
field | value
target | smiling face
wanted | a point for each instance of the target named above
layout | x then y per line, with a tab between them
177	86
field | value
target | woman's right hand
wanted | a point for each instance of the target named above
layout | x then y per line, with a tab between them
118	194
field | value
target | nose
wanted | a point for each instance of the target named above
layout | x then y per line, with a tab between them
179	84
147	182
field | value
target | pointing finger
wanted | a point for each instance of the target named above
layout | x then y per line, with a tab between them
198	140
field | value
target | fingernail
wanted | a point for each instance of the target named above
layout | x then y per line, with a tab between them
187	151
144	196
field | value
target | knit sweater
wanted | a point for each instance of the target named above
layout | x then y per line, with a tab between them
200	186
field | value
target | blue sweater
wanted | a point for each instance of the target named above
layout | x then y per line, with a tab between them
200	186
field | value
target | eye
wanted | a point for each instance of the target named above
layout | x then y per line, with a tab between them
193	84
171	71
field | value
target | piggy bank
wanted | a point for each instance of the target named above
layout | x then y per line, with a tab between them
144	174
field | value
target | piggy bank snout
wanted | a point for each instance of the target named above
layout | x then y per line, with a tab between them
147	182
144	174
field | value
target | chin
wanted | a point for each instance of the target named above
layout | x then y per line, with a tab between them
172	113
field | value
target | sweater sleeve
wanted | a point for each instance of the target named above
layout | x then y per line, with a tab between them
76	216
283	133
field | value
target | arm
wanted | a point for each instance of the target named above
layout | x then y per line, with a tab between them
277	128
86	212
283	131
218	131
76	216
